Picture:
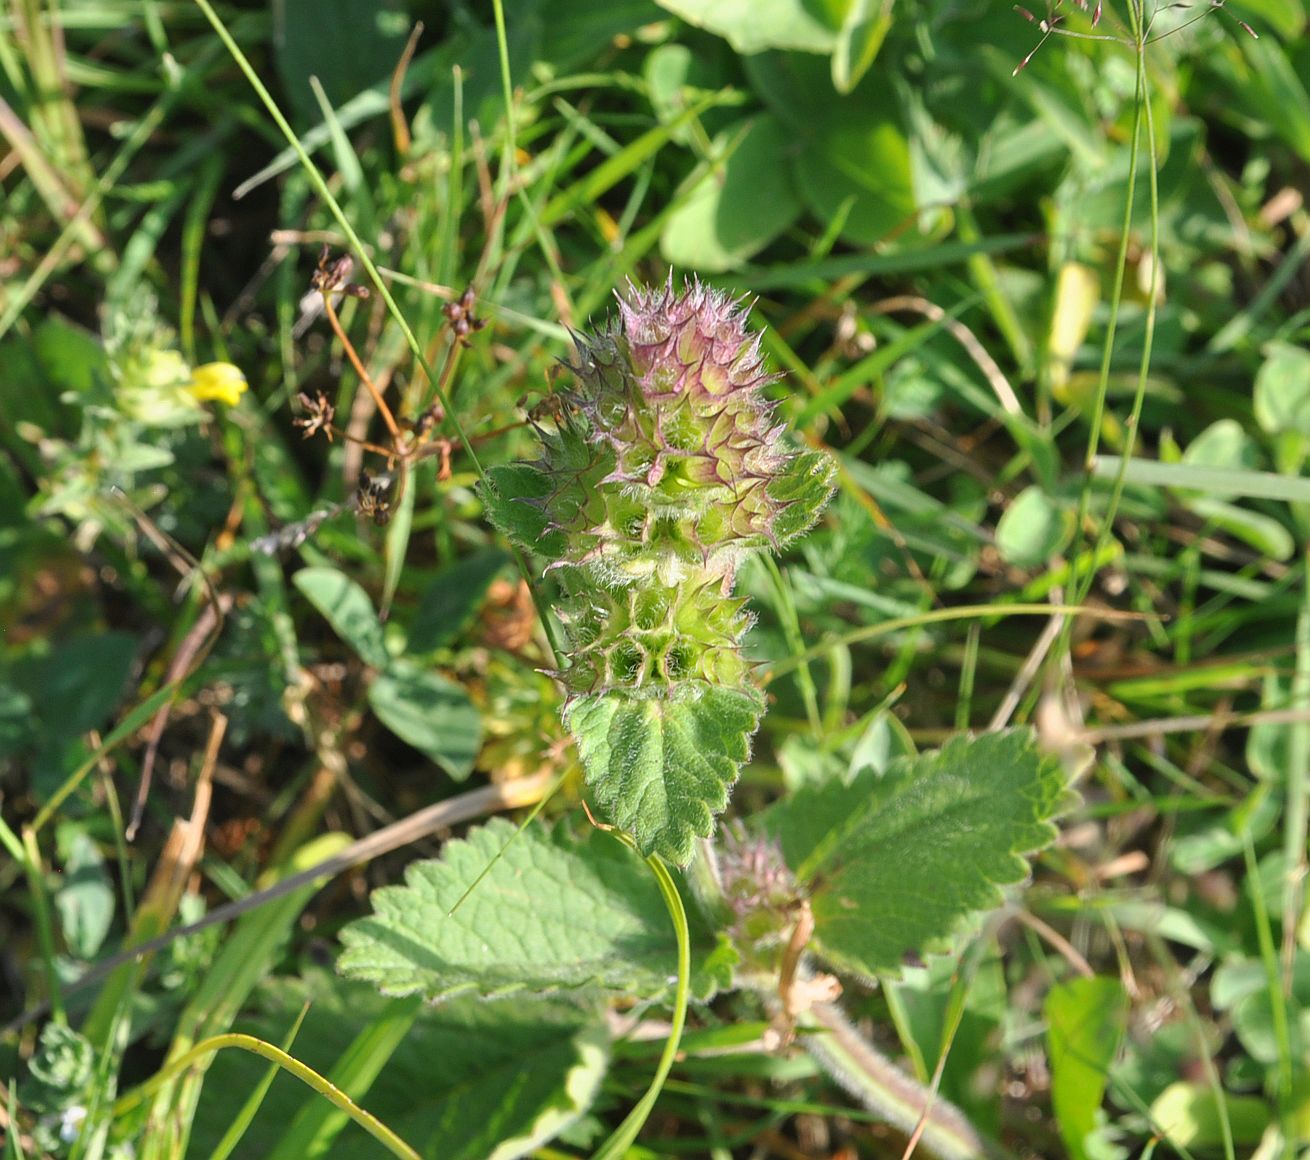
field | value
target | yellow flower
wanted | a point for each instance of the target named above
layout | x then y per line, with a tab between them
217	380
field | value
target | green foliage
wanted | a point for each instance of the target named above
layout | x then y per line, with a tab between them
1086	1019
85	898
736	208
348	609
60	1070
662	768
422	708
465	1077
950	221
893	862
505	912
447	606
429	712
1033	529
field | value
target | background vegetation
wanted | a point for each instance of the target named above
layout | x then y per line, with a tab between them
1051	320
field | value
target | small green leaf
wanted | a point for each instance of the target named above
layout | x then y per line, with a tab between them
508	495
85	899
1033	529
1204	843
429	712
547	915
863	30
1243	987
661	767
73	358
896	862
1188	1116
452	599
1085	1023
347	608
737	208
1223	444
1282	390
141	457
753	25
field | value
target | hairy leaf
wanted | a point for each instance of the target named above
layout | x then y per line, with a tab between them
510	489
803	490
661	768
550	915
895	863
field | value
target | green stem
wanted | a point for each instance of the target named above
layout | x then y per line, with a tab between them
1116	299
307	1075
1296	822
983	271
1144	119
41	914
1277	1001
626	1133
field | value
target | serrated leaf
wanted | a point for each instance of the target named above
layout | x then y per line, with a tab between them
429	712
661	767
511	1080
551	915
452	599
895	863
508	495
1085	1023
805	487
348	610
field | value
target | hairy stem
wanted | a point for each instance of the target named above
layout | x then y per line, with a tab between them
883	1088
